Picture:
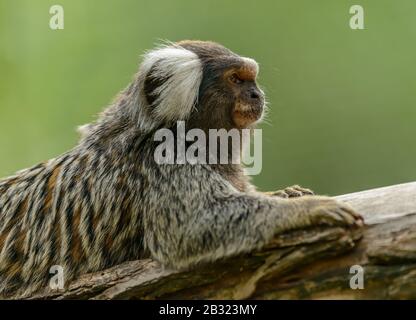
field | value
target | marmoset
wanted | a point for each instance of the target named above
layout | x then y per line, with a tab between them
107	201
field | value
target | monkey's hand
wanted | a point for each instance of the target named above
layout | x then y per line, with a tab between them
320	210
291	192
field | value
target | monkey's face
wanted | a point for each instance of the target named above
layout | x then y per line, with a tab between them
247	100
203	83
229	96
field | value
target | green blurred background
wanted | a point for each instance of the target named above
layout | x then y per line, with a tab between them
343	105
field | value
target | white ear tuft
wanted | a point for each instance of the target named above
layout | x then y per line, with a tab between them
181	71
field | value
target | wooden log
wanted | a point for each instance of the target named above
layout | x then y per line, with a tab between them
306	264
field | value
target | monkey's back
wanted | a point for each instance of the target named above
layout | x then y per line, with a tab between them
78	211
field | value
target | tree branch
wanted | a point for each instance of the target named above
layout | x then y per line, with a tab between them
306	264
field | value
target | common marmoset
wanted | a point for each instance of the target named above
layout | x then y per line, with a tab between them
107	201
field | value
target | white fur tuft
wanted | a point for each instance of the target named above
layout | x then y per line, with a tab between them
179	93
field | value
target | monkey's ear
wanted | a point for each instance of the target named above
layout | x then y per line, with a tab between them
172	76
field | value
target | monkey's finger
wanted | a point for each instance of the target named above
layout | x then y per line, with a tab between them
305	191
281	194
347	217
328	217
293	193
352	212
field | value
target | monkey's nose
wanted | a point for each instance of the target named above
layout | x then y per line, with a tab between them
255	95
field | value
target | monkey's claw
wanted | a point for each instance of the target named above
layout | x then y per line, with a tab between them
330	212
292	192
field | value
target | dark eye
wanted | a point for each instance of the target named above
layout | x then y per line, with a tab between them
235	79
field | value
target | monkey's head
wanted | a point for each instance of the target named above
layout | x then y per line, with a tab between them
203	83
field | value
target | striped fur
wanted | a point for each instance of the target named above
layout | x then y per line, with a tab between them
106	201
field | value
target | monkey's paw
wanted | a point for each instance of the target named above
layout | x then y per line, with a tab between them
327	211
292	192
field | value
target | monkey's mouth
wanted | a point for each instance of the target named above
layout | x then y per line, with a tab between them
245	115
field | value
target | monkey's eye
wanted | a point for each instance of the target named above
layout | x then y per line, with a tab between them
234	78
